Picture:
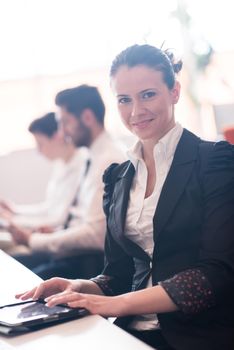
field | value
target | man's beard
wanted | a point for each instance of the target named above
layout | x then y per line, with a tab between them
85	137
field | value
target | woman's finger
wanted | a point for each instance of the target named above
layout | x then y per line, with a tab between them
57	295
38	293
62	298
26	295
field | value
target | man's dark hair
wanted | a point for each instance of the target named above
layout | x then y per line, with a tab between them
46	125
79	98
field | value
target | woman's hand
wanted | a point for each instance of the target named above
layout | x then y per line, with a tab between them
95	304
146	301
50	287
20	235
55	285
7	207
45	229
86	294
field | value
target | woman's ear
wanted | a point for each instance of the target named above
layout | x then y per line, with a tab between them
175	92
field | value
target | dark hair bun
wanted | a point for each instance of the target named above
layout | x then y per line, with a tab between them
177	66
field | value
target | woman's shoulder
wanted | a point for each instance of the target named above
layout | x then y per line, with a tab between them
217	167
217	154
114	171
111	174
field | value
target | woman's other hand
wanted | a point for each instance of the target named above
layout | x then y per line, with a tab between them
95	304
52	287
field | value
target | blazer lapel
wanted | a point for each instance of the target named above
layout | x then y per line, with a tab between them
118	211
120	198
178	176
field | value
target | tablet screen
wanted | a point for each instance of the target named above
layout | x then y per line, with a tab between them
18	314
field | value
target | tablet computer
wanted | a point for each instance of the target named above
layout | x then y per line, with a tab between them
33	313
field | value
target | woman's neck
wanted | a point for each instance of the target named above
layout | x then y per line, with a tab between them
148	145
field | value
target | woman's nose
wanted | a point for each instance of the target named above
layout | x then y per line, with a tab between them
137	109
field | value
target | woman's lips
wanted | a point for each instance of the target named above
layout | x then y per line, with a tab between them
142	124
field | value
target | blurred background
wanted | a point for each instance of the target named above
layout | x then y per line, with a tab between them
50	45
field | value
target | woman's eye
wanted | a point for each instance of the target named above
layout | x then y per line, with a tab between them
124	100
148	94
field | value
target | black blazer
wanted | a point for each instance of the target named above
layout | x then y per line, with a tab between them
193	257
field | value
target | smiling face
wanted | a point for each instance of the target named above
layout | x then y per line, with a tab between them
145	103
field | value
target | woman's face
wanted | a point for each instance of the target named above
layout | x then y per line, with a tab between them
50	147
145	103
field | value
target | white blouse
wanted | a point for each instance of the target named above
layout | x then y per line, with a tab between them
141	210
60	193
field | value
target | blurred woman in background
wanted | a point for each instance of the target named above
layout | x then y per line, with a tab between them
62	185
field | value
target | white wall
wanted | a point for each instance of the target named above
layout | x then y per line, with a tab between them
23	176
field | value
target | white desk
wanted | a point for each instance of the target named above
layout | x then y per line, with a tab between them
14	278
90	332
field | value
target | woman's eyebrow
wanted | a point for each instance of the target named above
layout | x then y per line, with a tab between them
145	90
122	95
140	92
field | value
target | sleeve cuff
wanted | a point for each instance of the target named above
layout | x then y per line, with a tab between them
103	283
190	291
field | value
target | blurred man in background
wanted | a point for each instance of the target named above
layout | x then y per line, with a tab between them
77	251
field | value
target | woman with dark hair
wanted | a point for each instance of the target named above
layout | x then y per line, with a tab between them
67	163
169	273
